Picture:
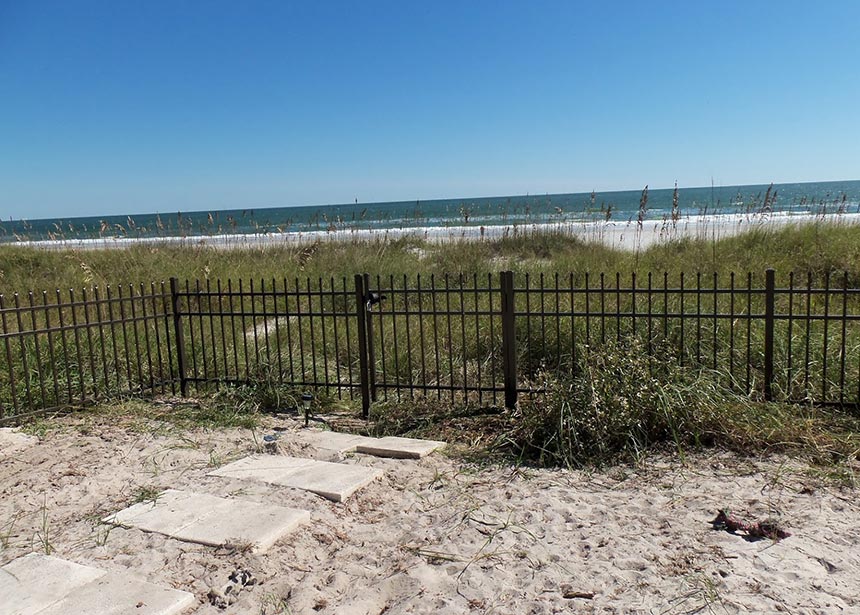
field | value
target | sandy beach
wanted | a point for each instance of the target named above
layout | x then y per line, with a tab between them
625	235
438	535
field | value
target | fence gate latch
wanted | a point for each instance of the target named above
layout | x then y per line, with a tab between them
373	299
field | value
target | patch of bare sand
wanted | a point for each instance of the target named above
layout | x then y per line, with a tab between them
441	536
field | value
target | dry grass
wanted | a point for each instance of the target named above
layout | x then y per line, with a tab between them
621	406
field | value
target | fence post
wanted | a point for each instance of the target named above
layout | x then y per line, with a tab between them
178	336
509	339
769	317
371	352
360	312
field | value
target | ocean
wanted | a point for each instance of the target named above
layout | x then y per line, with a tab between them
822	199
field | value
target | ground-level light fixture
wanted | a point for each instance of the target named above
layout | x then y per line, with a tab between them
307	398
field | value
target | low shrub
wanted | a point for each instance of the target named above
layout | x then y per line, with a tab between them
620	405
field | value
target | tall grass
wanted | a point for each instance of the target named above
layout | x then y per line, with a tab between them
817	247
619	405
270	342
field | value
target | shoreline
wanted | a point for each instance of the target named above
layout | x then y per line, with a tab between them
613	234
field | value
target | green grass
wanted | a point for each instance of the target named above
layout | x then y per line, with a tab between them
819	247
225	408
146	494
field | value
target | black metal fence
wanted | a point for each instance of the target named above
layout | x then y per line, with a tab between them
485	339
69	348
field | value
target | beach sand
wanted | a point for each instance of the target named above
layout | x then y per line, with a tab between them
438	535
625	235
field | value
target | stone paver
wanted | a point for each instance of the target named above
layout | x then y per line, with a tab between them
335	481
331	440
401	448
31	583
37	584
210	520
120	594
261	468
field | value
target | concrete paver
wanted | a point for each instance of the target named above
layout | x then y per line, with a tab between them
122	594
210	520
33	582
331	440
335	481
249	523
38	584
261	468
170	512
401	448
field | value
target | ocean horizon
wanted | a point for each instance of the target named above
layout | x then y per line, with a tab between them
819	199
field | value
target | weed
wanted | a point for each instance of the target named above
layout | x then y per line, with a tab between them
7	530
273	604
43	534
703	596
40	427
100	532
620	404
146	494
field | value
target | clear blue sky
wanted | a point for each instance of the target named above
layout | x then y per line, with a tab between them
111	106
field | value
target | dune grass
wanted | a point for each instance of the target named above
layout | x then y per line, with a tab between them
605	408
819	247
620	406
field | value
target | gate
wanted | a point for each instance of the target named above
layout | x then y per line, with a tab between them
441	337
303	333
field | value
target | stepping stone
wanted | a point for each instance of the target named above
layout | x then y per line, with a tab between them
331	440
261	468
43	585
210	520
120	594
33	582
400	448
334	481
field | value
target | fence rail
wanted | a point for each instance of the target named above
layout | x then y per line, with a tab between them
485	339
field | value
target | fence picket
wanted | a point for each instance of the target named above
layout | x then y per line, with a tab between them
54	355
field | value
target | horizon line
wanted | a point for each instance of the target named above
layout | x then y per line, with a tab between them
428	200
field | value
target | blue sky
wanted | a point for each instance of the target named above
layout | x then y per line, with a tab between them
131	107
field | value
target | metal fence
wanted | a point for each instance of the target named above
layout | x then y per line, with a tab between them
797	342
481	339
67	349
300	332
